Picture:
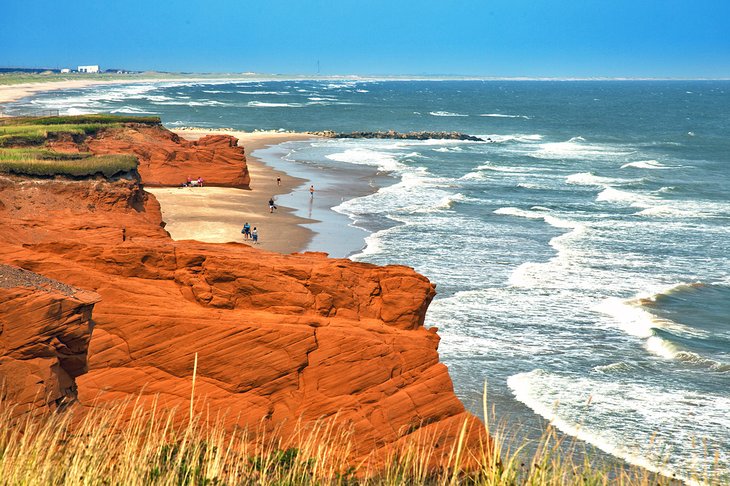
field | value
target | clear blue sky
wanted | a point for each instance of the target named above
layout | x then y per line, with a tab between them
555	38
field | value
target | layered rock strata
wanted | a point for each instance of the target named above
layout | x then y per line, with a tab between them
45	328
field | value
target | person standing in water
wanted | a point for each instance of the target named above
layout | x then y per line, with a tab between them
311	191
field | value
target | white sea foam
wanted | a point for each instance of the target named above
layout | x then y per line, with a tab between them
383	160
502	115
669	211
588	409
448	149
618	367
263	92
646	164
78	111
611	194
514	137
263	104
578	148
590	179
133	111
445	113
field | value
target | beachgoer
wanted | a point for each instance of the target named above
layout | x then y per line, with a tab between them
255	235
246	231
200	182
272	206
278	181
188	181
311	191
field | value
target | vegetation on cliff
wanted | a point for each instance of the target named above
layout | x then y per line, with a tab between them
106	446
29	131
22	140
34	162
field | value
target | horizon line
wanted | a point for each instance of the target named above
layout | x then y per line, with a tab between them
374	77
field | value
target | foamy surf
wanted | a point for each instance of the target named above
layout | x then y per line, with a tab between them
383	160
502	115
579	148
445	113
265	104
584	408
646	164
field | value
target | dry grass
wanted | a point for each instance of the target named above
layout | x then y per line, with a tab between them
134	445
46	163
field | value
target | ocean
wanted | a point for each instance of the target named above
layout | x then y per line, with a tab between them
581	254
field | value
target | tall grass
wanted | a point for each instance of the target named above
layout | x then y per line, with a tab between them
35	130
79	119
41	162
37	134
134	444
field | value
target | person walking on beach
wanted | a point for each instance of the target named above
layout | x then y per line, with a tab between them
311	191
255	235
246	231
272	206
278	181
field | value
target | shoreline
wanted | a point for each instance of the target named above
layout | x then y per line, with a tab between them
301	223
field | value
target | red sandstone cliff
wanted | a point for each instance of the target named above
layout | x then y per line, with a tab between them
165	159
45	327
279	337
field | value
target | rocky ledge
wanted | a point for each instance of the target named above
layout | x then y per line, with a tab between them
392	134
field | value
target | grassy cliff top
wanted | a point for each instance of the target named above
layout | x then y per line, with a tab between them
34	131
22	150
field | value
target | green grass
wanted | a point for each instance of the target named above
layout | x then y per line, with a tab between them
96	119
35	130
37	134
42	162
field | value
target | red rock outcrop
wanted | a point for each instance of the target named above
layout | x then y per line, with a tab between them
45	328
278	337
165	159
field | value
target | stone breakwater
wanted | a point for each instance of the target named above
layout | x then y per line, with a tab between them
392	134
279	338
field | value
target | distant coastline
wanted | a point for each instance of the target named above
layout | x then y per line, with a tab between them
14	87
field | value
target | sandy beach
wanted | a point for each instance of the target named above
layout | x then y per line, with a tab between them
217	214
13	92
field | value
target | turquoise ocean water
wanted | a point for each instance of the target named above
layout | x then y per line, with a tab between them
582	258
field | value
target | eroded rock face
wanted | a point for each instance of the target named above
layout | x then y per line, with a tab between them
279	338
45	328
168	160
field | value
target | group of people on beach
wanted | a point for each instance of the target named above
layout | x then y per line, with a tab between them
250	234
190	182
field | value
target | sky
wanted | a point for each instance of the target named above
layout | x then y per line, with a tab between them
493	38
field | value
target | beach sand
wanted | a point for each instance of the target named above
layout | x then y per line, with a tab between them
217	214
13	92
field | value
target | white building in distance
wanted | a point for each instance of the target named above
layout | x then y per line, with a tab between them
65	70
88	69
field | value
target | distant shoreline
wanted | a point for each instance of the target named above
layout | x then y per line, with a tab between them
11	91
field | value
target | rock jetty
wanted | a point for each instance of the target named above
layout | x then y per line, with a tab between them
392	134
